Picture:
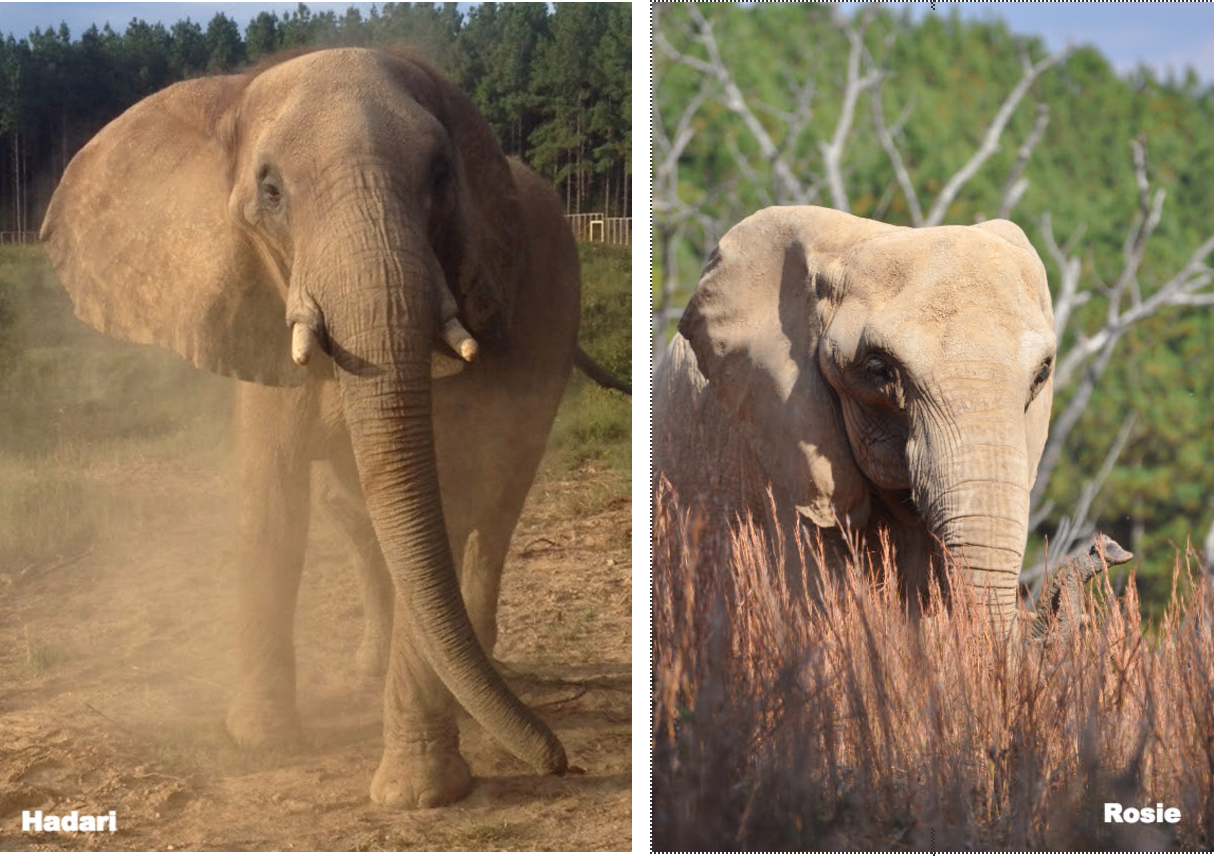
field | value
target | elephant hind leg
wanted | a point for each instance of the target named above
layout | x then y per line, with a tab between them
342	500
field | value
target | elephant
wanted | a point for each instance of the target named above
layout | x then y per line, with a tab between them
871	376
311	228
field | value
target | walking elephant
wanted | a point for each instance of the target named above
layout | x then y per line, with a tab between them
872	376
341	232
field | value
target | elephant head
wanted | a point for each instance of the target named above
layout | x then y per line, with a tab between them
864	362
353	195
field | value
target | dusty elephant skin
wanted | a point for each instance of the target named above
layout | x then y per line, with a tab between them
872	375
310	228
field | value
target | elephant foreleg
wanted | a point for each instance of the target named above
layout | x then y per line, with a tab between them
421	765
274	508
342	499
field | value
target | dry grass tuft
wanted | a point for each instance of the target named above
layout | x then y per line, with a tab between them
783	722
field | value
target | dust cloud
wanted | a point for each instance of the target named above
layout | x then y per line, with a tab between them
117	560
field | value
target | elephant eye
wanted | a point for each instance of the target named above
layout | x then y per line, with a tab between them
271	192
1043	374
269	187
878	368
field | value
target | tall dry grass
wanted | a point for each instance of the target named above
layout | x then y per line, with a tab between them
783	721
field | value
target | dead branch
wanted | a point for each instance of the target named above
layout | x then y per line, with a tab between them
1077	527
990	140
886	137
832	150
1015	185
788	186
1085	361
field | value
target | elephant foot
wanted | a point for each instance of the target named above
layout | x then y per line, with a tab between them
263	724
431	774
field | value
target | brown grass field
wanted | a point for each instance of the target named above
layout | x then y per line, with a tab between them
785	724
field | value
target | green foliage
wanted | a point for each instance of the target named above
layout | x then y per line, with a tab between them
606	331
594	425
948	77
553	82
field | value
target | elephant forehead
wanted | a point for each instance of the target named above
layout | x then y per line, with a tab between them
337	67
954	293
333	94
942	272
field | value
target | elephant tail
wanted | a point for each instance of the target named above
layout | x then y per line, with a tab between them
598	374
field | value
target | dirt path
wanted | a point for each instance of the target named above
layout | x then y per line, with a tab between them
115	664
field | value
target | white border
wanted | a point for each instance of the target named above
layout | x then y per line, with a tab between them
642	291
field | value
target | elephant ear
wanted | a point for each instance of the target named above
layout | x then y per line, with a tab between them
139	233
486	253
754	324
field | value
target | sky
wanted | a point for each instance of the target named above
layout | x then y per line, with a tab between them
1164	36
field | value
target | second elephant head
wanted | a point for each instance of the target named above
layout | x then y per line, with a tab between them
871	371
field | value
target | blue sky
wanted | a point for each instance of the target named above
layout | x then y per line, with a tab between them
1162	35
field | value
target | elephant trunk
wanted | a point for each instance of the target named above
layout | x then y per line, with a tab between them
977	504
381	321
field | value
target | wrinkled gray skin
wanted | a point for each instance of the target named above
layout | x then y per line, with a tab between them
870	374
353	193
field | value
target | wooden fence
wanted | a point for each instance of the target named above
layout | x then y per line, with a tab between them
595	228
18	238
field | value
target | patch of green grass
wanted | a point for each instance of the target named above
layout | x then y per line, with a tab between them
63	383
78	408
594	425
606	330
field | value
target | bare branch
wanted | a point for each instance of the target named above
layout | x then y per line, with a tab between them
788	187
1015	185
1089	356
1068	294
1178	291
1181	290
1064	422
886	136
990	141
832	150
1076	527
1198	300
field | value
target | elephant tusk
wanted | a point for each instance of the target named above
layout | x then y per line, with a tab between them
303	343
460	340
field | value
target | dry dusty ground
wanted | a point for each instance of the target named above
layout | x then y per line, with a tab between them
115	668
